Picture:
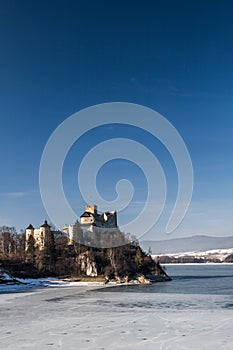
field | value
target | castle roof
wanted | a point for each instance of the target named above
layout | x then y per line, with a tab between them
86	214
45	224
30	227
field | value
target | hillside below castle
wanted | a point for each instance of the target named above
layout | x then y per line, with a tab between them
42	252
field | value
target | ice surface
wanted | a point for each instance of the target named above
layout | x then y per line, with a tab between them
81	317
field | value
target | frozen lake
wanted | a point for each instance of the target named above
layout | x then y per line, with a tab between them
191	279
137	317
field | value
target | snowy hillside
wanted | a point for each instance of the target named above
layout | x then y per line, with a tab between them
213	254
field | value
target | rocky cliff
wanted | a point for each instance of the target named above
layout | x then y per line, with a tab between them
121	264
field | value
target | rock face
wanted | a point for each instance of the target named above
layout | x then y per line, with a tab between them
120	265
124	279
160	274
87	264
143	280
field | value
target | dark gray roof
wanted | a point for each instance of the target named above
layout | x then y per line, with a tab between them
30	227
86	214
45	224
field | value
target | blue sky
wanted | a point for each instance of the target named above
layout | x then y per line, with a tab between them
176	57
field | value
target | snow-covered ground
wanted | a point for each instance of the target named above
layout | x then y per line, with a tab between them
86	319
30	283
220	254
5	277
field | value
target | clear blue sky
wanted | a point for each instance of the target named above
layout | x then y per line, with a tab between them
176	57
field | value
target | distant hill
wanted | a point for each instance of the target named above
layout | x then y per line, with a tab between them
186	244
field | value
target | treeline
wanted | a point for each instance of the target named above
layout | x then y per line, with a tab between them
186	260
229	259
12	244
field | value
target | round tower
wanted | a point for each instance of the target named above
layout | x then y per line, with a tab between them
29	232
44	233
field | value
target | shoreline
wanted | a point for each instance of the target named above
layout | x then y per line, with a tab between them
40	284
195	264
37	284
29	285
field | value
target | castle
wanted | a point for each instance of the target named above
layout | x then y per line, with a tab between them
91	218
40	235
88	221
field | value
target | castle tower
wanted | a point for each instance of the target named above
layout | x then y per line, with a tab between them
91	209
41	235
29	232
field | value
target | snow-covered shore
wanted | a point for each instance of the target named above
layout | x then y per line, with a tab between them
31	283
81	317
